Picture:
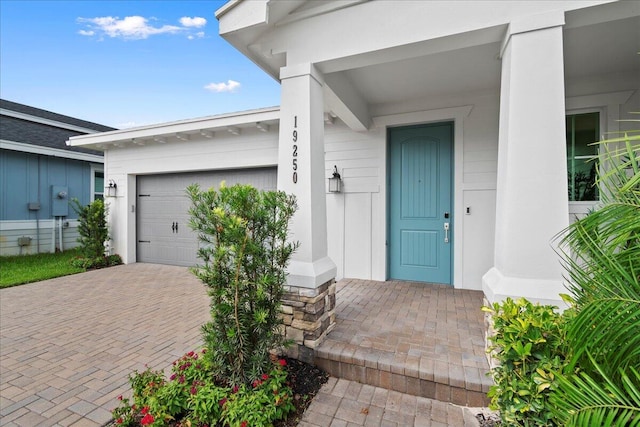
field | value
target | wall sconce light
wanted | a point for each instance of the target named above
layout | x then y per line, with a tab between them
111	188
335	181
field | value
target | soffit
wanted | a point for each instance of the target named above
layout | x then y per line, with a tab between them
264	120
600	50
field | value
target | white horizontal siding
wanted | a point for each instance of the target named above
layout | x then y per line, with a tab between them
11	231
224	152
252	148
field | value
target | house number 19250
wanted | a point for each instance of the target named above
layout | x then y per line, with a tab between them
295	150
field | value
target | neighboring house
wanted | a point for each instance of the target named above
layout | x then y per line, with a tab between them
40	174
461	130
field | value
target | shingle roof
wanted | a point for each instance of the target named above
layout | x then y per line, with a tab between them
25	109
45	135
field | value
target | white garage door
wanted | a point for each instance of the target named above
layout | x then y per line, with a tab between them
163	232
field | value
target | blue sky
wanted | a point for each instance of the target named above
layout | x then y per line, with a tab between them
125	63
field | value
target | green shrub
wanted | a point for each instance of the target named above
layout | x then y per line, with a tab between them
92	228
602	256
94	232
245	250
529	344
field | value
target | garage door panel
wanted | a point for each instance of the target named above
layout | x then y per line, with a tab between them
163	232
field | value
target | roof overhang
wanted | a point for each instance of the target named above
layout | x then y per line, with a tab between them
439	50
51	152
44	121
184	130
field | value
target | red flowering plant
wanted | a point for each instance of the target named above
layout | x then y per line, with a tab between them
123	415
268	399
194	396
144	386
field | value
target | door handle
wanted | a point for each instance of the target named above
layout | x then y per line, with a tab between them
173	227
446	232
176	226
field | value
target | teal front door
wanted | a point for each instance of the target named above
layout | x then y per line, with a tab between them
420	228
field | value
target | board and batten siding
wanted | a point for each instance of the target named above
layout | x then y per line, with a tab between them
27	178
357	230
224	151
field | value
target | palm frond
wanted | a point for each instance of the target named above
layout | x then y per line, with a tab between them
601	253
587	401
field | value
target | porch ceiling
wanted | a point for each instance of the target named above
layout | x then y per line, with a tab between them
464	70
603	48
592	51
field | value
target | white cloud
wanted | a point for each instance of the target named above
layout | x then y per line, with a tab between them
229	86
196	21
86	33
131	27
198	35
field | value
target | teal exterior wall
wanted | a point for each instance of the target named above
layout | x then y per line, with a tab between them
27	178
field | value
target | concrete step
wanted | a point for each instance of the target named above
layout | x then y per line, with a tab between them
434	377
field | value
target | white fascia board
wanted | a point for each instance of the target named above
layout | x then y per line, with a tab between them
226	8
183	126
48	122
47	151
237	15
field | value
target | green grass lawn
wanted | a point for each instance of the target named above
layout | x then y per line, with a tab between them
21	269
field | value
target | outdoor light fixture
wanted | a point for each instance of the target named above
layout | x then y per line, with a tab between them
335	181
111	188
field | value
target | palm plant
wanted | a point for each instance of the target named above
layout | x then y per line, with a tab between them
602	256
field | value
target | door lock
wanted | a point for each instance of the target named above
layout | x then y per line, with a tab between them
446	232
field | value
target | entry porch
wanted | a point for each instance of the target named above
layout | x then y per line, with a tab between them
416	338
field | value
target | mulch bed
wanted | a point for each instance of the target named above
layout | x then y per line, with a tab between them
488	419
306	380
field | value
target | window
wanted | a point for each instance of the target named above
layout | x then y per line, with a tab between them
97	182
582	167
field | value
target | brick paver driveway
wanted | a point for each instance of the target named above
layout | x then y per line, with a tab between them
67	345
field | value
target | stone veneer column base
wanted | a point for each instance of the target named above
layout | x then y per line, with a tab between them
489	332
308	316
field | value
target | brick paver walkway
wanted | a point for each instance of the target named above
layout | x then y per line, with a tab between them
67	345
416	338
343	403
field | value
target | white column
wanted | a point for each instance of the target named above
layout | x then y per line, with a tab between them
532	202
301	172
